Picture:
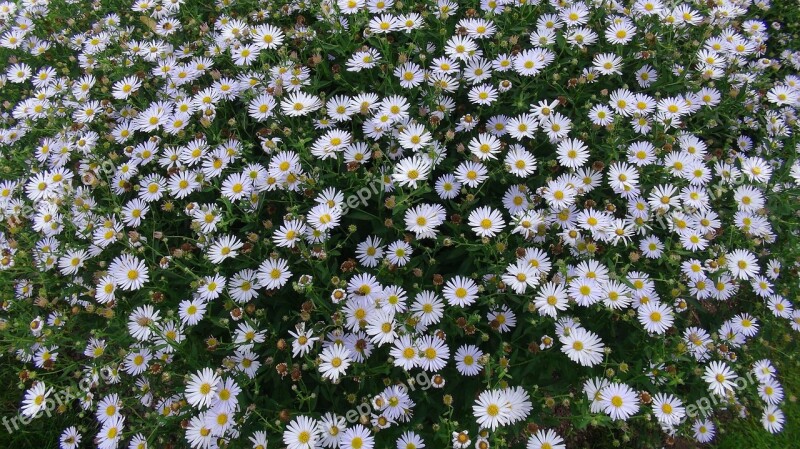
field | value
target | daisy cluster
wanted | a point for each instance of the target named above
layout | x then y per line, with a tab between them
238	222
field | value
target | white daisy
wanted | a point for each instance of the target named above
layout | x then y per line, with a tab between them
129	273
491	409
35	399
301	433
335	361
719	378
460	291
486	222
619	401
545	439
202	388
583	347
273	273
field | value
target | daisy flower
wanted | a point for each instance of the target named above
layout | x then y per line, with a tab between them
396	106
405	353
520	162
273	273
601	115
330	427
780	306
128	272
485	146
198	433
668	409
478	69
523	126
619	401
693	240
35	399
461	439
703	430
467	360
559	194
136	362
532	61
266	37
335	361
410	75
182	183
770	391
202	388
572	153
299	103
782	95
370	252
551	299
519	403
289	234
70	438
224	247
191	311
616	295
585	291
761	286
211	287
593	388
471	174
745	324
357	437
742	264
428	308
125	87
423	219
434	353
111	433
140	322
236	186
607	64
460	291
399	253
410	440
134	211
673	107
641	153
655	317
497	125
719	378
491	409
409	171
72	261
303	341
261	107
301	433
545	439
772	419
323	217
483	94
486	222
583	347
646	76
620	32
502	319
460	47
381	327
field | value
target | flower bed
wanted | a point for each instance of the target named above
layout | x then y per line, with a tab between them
361	224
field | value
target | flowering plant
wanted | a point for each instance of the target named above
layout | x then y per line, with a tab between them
365	223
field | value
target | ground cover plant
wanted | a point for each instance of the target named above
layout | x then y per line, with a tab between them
372	223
